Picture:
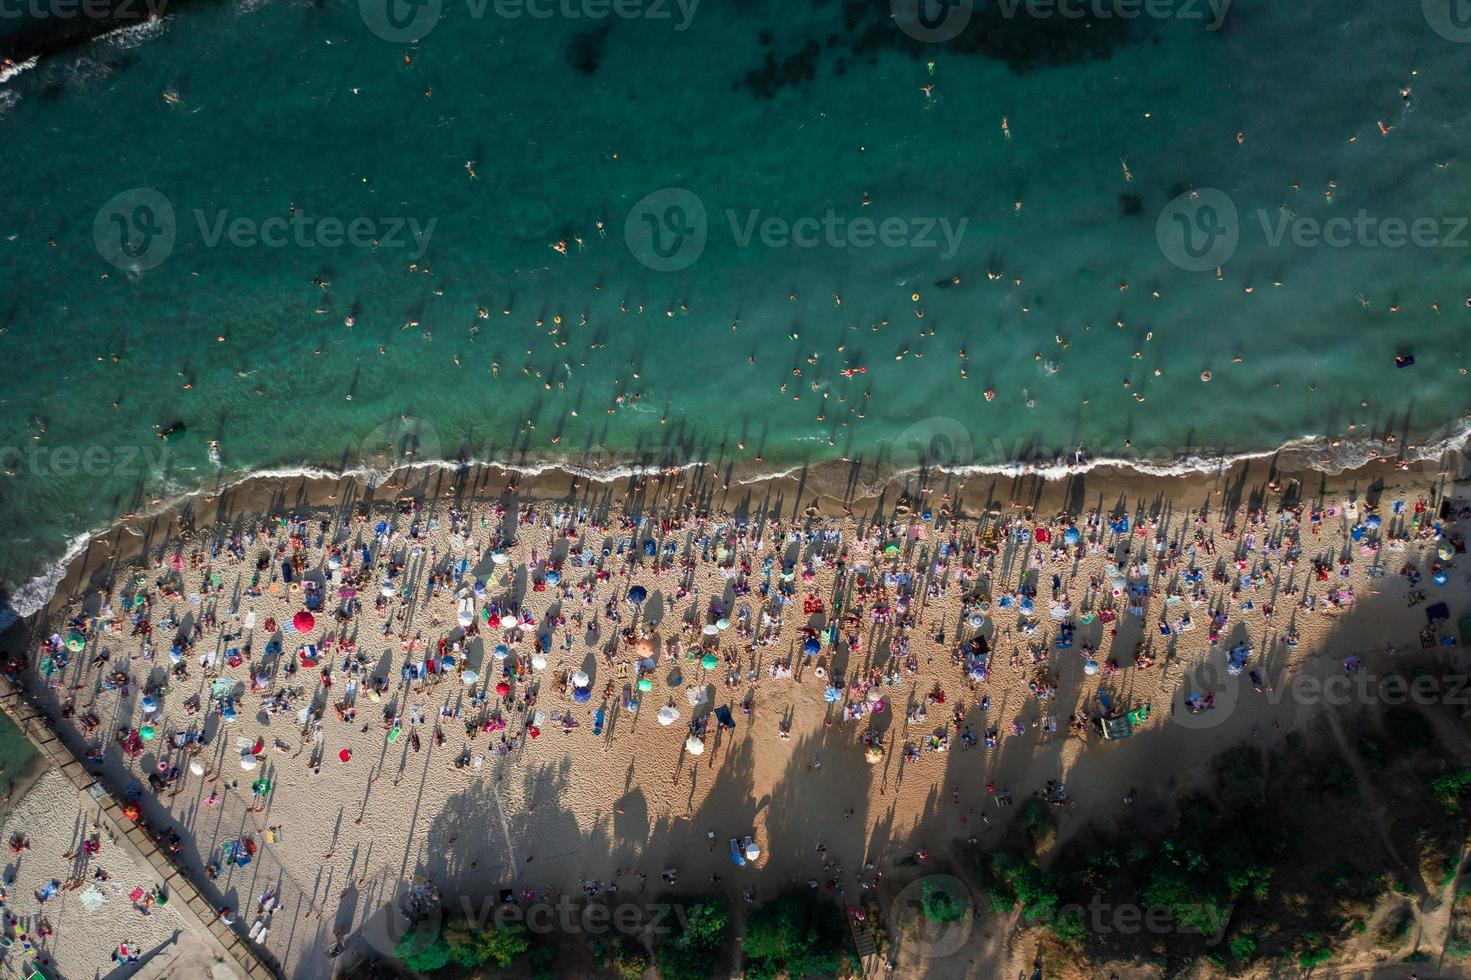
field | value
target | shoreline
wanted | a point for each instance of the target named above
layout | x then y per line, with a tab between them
838	481
625	792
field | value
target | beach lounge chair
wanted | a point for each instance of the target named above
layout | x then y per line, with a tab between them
736	857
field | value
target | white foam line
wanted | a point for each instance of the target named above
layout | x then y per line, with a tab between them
1324	456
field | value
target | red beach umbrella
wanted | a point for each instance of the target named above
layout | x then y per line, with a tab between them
503	689
345	755
303	621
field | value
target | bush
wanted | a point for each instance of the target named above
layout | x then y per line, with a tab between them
693	954
624	956
423	949
471	945
940	906
795	936
1243	948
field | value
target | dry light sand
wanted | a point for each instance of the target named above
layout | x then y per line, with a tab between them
338	840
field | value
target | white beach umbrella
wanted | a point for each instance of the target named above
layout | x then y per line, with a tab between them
538	662
580	679
470	677
668	715
196	767
694	746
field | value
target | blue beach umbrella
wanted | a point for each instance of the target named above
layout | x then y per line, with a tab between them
554	578
832	695
811	646
637	594
1071	535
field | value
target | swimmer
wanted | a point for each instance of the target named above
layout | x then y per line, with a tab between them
470	169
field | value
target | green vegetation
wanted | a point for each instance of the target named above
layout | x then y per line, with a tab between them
1272	862
423	948
796	937
693	953
471	945
622	955
939	905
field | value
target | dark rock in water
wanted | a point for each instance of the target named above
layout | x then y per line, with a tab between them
1006	33
766	37
44	37
585	53
774	75
1131	204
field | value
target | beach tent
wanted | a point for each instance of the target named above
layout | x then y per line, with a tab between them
1115	728
722	715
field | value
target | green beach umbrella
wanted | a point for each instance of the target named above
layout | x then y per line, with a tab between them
644	684
75	641
147	733
709	660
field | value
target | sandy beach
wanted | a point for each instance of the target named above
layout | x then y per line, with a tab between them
935	609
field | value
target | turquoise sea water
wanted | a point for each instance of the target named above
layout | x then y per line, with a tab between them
1055	158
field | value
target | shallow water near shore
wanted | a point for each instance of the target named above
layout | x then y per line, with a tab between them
1030	198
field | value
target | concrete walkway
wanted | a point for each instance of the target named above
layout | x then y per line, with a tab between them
238	956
